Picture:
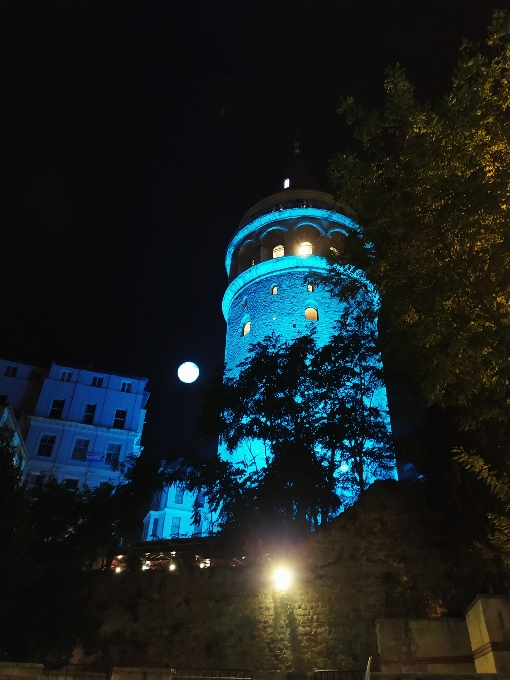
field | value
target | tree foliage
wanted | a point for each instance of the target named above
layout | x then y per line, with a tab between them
317	413
430	189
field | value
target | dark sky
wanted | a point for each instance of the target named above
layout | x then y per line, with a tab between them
136	134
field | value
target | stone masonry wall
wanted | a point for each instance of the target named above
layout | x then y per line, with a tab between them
233	617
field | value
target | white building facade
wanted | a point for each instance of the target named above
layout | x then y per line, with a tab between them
81	424
171	515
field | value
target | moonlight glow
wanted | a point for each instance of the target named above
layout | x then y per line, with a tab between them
188	372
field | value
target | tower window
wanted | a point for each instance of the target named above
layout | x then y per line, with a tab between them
11	371
278	251
286	183
311	314
66	376
57	408
126	387
305	249
310	287
246	328
97	381
274	290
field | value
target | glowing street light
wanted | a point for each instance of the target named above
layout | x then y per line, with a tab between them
282	579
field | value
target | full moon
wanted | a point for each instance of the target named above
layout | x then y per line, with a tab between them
188	372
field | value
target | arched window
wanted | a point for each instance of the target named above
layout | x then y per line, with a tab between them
310	287
311	314
274	290
278	251
246	328
305	248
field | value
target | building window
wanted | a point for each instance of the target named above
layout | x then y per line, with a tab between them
35	479
274	290
119	420
176	526
11	371
97	381
34	376
305	249
81	447
246	328
197	529
278	251
179	495
66	376
57	408
112	454
310	287
311	314
46	445
88	414
126	387
286	183
155	528
70	484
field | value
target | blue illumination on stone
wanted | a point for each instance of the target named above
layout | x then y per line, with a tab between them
283	215
250	297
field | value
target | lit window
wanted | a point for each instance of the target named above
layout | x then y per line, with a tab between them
70	484
286	183
112	454
34	376
11	371
310	287
311	314
81	447
278	251
97	381
57	408
247	328
274	290
66	376
305	248
119	420
176	525
179	495
46	445
126	387
88	414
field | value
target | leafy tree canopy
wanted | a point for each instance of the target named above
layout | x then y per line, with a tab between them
430	189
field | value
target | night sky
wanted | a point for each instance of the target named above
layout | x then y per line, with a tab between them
135	135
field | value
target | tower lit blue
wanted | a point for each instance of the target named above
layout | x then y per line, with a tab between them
279	242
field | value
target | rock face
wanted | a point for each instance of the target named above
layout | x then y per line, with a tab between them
386	555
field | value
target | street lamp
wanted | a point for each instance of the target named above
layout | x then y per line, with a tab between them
282	579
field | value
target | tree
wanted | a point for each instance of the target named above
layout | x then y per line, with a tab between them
429	186
318	415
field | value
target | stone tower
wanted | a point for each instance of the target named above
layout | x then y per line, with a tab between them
279	240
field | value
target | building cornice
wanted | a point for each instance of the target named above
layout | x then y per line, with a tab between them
282	215
277	265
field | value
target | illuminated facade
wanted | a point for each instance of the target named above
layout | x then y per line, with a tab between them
79	425
279	241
